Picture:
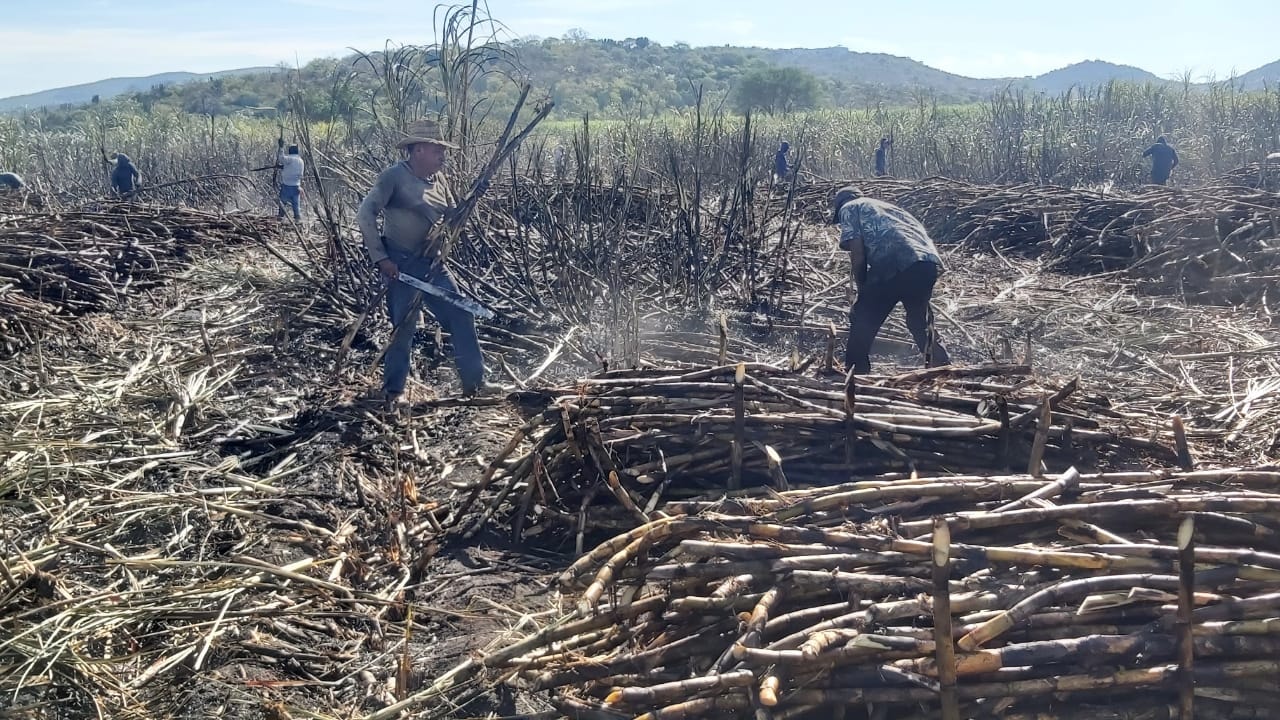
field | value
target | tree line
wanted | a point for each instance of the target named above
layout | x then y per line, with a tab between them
600	77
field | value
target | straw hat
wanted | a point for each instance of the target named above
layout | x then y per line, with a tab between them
423	131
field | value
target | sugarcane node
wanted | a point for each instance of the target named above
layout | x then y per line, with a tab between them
941	542
775	459
1186	532
991	629
769	688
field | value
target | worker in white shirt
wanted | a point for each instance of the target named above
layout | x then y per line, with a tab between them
290	165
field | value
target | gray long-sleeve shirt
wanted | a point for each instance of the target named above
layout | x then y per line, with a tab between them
410	207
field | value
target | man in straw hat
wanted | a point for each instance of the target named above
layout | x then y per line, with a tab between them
413	197
894	261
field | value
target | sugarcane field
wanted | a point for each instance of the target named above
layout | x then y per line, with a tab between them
445	403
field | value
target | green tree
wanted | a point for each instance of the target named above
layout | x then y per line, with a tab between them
773	89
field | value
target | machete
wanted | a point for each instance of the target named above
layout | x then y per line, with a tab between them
453	298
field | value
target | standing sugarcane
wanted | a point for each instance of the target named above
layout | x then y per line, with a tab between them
275	166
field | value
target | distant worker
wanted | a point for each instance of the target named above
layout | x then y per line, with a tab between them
882	160
560	163
125	177
780	168
11	181
1270	169
1163	160
894	261
291	166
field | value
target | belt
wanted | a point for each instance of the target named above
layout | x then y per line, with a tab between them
431	257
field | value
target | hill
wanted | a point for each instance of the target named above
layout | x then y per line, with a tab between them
635	70
613	78
105	89
888	71
1266	76
1088	74
641	72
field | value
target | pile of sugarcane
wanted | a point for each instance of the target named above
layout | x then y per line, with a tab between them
88	259
604	454
1008	217
1217	244
1145	594
1265	175
23	320
57	264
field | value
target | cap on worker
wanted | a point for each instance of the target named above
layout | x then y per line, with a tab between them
843	195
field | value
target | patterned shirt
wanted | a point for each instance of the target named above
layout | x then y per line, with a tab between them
893	240
410	207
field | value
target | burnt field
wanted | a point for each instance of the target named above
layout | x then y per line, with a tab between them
682	509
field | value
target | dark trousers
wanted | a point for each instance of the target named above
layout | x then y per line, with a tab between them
460	325
290	195
913	288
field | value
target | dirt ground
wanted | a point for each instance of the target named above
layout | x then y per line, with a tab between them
474	593
380	487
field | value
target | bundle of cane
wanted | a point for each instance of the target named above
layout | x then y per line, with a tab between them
782	612
613	450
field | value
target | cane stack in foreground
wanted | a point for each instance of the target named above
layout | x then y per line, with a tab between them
931	582
1118	595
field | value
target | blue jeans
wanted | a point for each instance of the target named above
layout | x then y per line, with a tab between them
290	195
460	325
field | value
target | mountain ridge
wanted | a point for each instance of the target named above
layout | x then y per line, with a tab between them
852	76
111	87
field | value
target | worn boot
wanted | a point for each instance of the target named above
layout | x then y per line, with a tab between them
485	389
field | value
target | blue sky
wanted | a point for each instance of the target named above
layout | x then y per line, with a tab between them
52	43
